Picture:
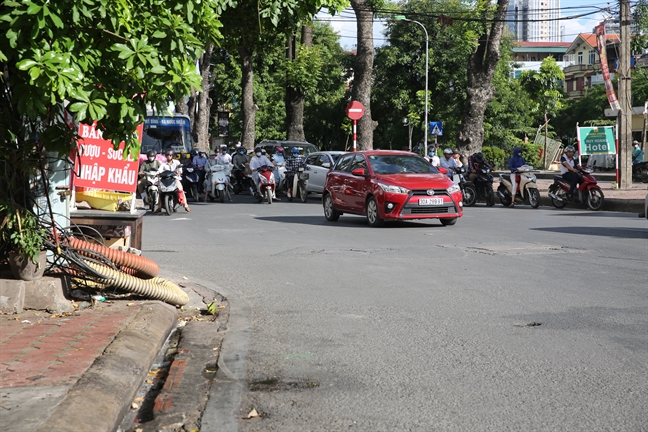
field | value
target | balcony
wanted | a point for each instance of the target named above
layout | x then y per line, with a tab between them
576	94
582	69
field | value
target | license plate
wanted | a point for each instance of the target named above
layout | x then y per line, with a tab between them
430	201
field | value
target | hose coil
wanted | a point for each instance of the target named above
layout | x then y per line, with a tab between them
145	267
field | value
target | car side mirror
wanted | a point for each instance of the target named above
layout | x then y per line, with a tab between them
442	170
360	172
326	165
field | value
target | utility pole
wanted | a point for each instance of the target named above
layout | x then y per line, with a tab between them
625	99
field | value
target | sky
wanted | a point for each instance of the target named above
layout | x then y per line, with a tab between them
346	27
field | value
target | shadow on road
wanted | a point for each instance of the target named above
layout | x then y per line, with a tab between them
350	221
566	212
615	232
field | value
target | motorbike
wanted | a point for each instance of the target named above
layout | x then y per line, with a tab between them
217	182
527	189
299	184
266	184
483	187
467	187
241	181
191	180
640	172
152	192
588	192
168	191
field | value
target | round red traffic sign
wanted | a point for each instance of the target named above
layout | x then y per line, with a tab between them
355	110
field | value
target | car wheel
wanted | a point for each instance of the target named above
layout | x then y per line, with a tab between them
448	222
534	197
329	212
373	216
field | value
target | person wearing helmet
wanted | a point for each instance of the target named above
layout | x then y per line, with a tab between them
151	164
457	157
475	162
223	157
432	156
239	159
258	161
516	162
280	161
172	164
448	162
199	159
293	163
569	169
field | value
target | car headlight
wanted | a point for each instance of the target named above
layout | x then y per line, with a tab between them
454	188
393	189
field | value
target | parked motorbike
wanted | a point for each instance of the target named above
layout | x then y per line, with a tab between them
483	185
152	192
168	191
266	184
191	180
217	182
527	189
241	181
299	185
588	192
467	187
640	172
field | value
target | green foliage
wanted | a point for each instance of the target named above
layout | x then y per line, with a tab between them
495	156
20	231
304	72
544	87
532	154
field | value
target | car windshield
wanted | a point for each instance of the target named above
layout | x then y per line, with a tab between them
400	164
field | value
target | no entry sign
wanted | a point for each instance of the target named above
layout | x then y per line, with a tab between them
355	110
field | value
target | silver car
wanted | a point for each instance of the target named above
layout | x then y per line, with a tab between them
319	164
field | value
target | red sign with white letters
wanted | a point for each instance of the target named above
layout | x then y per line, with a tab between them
100	166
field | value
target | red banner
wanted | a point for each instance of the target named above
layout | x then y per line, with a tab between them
609	89
100	166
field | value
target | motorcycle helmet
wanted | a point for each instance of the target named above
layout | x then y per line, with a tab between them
294	151
193	153
169	152
279	149
263	151
257	151
447	151
455	151
150	155
241	149
479	158
570	148
202	153
223	149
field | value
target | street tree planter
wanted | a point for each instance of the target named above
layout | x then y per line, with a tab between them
24	268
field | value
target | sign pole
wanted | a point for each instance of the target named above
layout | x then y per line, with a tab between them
355	111
354	135
616	153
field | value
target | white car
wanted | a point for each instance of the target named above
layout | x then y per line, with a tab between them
319	164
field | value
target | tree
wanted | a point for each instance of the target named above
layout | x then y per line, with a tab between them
481	67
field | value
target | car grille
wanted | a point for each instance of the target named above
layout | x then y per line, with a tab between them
437	192
428	210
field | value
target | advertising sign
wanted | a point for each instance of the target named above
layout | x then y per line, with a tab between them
609	88
596	140
100	166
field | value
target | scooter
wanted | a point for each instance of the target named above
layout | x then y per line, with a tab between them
640	172
299	185
588	192
191	180
168	191
152	192
484	186
467	187
217	182
527	189
241	181
266	184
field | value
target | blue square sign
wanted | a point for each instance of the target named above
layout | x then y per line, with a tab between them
436	128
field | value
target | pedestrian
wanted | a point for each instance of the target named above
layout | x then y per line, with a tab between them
637	153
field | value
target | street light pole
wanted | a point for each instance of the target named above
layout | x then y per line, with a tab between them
402	18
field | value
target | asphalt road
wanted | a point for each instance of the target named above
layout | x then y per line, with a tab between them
513	319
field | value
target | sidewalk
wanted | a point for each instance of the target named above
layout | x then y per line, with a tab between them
76	371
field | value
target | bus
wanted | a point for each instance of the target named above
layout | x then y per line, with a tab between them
167	132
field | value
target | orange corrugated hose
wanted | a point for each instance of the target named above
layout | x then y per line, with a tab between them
144	267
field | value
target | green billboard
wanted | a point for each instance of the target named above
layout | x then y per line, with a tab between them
596	140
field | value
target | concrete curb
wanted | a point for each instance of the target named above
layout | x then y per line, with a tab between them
99	400
610	204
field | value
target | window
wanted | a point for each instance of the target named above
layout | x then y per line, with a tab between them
580	57
592	57
359	162
313	160
344	164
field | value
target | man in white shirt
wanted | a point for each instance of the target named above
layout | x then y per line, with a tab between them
172	164
448	162
257	161
569	169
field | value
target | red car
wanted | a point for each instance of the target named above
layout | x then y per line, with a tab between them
390	185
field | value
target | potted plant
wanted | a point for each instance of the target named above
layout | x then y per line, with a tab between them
22	236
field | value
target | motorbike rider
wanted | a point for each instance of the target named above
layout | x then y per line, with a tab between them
151	164
448	162
293	163
516	162
457	157
258	161
475	162
637	153
172	164
224	158
240	159
432	156
569	169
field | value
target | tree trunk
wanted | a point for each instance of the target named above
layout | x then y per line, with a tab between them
181	106
479	92
248	108
191	110
204	102
362	71
295	98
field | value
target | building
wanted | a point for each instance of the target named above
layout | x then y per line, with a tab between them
583	69
529	55
534	20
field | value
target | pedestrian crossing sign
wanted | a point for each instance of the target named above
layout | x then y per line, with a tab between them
436	128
